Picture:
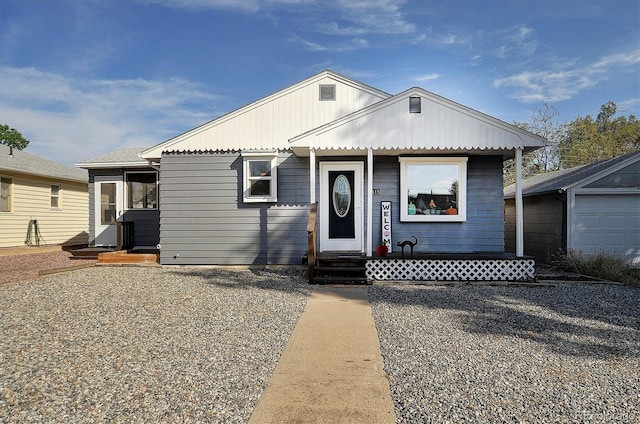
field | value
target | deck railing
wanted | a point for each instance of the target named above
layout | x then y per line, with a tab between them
311	239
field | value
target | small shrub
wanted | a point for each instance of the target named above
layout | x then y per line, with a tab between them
602	264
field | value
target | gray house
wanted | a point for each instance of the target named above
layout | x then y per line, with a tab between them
381	168
123	188
589	208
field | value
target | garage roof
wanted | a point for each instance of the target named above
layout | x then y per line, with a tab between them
567	178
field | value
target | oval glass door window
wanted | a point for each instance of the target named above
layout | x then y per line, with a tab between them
341	196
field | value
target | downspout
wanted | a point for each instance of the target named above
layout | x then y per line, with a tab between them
561	197
519	206
154	165
369	237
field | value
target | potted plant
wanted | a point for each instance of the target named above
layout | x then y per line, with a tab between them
382	249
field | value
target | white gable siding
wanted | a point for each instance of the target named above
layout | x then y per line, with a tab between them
442	125
270	123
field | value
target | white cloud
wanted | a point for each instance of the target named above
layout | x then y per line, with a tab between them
341	46
427	77
368	17
69	120
430	38
356	18
567	80
251	6
515	40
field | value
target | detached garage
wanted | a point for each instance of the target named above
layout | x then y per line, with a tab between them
588	208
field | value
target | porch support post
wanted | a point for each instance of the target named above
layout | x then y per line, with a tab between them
519	206
312	176
369	238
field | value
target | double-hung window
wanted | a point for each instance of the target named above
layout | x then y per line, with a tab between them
55	196
433	189
142	190
260	177
6	185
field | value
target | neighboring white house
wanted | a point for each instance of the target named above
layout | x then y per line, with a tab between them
38	194
589	208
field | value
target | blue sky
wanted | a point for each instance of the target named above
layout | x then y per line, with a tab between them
83	77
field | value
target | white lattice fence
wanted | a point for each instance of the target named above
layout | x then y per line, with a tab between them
451	269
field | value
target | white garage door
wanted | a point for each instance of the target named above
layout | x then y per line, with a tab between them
607	222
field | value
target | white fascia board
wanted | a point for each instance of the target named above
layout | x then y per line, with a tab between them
98	165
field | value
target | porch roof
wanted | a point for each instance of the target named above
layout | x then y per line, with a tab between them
126	157
442	126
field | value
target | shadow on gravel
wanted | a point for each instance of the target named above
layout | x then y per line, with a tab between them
598	321
286	280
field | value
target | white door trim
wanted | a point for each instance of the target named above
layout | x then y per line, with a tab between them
346	245
106	235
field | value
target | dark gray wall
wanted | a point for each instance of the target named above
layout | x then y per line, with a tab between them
146	222
203	219
543	224
483	230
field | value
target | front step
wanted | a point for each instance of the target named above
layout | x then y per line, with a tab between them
124	257
340	269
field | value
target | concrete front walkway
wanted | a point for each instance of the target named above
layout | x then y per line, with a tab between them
331	370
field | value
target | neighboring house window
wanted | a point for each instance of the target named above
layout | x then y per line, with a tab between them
142	190
327	92
6	185
260	177
434	189
55	196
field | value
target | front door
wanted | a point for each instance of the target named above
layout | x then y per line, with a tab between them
108	208
341	212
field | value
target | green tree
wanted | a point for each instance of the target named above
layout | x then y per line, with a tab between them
11	137
589	140
545	159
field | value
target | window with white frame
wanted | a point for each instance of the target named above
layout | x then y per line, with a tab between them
433	189
260	177
6	186
142	190
55	196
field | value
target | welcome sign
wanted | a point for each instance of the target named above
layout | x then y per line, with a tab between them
385	222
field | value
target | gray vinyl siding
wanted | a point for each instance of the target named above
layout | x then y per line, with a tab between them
483	230
543	223
146	222
204	221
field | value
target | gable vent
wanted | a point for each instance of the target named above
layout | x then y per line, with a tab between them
327	92
415	105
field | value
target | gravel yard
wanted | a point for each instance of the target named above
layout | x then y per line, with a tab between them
569	353
28	262
133	344
136	344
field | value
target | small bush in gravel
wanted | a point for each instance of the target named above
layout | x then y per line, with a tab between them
602	264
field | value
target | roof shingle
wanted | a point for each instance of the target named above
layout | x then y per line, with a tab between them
26	163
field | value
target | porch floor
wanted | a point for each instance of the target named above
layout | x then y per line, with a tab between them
109	255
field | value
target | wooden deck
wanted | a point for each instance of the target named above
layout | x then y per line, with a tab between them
129	257
111	256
